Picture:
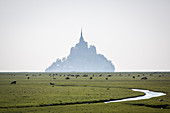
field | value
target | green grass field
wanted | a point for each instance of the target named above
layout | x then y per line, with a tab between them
82	94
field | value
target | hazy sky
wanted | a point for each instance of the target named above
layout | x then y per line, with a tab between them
134	34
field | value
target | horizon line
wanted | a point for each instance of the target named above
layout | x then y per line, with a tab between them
40	71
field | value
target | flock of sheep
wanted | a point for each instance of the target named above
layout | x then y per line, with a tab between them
85	75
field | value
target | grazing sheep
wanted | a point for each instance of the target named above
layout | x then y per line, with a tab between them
160	100
91	78
85	75
72	75
67	78
109	75
68	75
28	77
144	78
77	76
13	82
52	83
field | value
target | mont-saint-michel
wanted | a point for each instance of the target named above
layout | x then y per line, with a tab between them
82	59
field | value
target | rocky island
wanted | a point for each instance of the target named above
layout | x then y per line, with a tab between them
82	59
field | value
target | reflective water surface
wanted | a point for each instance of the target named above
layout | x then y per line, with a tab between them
148	95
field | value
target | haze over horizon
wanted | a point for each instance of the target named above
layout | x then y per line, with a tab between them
134	35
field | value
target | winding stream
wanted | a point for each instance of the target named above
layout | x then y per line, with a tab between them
148	95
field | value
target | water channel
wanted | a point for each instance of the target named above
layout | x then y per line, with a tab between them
148	95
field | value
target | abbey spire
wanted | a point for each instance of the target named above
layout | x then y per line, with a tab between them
81	33
81	37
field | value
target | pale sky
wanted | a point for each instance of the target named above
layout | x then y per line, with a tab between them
133	34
